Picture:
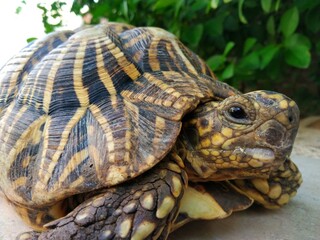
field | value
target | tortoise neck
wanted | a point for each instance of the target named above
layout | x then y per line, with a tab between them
195	167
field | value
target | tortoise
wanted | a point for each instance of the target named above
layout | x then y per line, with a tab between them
121	132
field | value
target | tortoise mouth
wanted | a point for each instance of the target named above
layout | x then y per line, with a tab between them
226	164
250	157
247	162
240	158
242	154
262	154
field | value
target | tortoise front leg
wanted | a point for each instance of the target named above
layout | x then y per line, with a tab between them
275	191
144	208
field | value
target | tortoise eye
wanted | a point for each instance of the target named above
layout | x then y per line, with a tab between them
238	115
237	112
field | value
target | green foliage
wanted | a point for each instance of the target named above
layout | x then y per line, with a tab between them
53	13
271	44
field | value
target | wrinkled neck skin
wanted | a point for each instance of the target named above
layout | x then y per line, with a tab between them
215	147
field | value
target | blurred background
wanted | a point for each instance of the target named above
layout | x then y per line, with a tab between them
251	44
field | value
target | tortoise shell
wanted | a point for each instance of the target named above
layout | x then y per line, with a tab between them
89	109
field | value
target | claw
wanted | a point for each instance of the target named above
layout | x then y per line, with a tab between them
28	236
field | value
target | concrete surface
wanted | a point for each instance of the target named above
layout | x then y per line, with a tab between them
299	220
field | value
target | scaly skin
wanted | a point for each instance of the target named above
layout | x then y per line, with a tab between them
219	144
271	193
141	209
250	145
105	121
275	191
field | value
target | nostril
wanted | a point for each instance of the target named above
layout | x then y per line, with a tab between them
291	116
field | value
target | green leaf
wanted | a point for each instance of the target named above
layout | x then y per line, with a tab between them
175	29
249	62
227	1
214	26
214	4
267	54
228	48
277	5
125	9
297	39
271	29
266	5
198	5
31	39
193	34
178	6
216	61
248	45
240	12
289	21
298	56
228	72
160	4
18	10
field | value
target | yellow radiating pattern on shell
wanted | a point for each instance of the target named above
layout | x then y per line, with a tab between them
116	132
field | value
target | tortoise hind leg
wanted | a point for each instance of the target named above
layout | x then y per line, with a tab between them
275	191
37	217
144	208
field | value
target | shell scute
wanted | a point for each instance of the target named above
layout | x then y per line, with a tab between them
105	105
17	69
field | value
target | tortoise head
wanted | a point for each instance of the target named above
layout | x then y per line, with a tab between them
243	136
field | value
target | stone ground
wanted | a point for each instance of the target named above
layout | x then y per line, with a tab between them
298	220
